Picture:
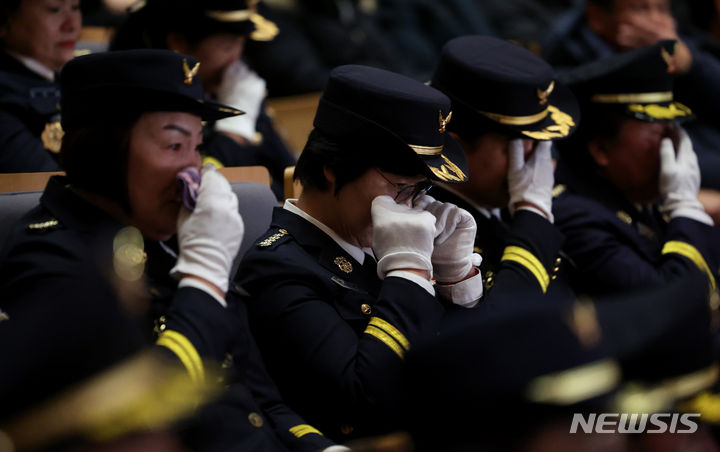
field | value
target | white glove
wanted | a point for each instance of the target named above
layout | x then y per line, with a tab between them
531	181
402	236
243	89
455	229
210	236
680	180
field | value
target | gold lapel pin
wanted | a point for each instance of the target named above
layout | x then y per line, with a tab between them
343	264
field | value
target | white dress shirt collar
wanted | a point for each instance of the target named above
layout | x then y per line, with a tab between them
356	252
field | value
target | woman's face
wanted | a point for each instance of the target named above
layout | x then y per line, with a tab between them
161	144
45	30
354	200
488	160
632	160
216	53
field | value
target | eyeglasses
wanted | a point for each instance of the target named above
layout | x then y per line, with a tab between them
408	192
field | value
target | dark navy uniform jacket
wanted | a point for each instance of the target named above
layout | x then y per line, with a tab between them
332	333
616	247
522	257
68	319
27	103
271	152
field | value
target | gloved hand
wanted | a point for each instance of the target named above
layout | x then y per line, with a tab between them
455	229
210	236
402	236
680	180
243	89
531	181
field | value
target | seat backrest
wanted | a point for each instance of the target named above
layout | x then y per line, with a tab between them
12	207
292	188
255	203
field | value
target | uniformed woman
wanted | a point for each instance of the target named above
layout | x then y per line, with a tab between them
77	270
36	38
215	32
341	285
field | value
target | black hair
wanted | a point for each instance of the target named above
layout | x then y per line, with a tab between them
347	159
703	13
7	9
149	26
96	158
600	124
604	4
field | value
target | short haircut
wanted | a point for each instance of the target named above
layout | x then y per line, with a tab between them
150	26
7	9
347	159
604	4
96	159
703	13
601	124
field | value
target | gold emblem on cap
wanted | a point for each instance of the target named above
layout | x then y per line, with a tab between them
543	95
190	73
443	121
343	264
52	136
448	171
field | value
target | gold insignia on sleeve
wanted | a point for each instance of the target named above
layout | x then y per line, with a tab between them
52	136
273	238
190	73
558	190
43	225
543	95
343	264
443	121
4	316
624	217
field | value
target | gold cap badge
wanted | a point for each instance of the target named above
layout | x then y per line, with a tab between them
343	264
190	73
543	95
443	121
668	58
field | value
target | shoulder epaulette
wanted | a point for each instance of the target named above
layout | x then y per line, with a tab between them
50	224
274	238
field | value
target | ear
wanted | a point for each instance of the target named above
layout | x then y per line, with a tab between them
599	153
177	43
466	147
330	177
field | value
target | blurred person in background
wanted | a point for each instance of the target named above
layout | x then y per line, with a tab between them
215	32
628	203
600	28
37	37
315	36
115	245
